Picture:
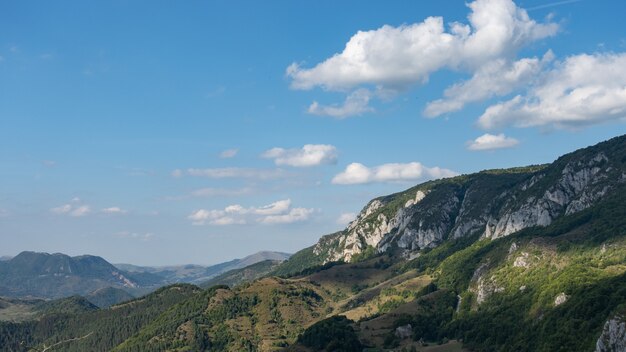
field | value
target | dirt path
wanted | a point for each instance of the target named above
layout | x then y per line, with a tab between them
65	341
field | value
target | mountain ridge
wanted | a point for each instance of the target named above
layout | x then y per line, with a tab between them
197	274
496	203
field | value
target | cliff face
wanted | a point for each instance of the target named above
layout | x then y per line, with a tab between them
613	337
492	204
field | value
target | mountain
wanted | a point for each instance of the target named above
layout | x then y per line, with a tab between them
108	296
198	274
58	275
238	276
5	258
51	276
523	259
489	204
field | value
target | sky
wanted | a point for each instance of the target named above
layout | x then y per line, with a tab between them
161	132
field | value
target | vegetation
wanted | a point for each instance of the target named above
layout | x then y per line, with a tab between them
332	334
239	276
297	263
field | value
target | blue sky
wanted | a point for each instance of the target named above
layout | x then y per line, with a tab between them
197	132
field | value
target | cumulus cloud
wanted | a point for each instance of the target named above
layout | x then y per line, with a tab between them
294	215
489	142
80	211
74	208
357	103
232	172
229	153
308	155
582	90
62	209
279	212
496	78
397	57
357	173
113	210
346	218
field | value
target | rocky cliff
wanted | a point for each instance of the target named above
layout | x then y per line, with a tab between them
490	204
613	338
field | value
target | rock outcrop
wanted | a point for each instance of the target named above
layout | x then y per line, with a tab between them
613	337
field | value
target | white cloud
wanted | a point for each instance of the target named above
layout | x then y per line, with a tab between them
74	208
4	213
63	209
346	218
113	210
489	142
274	213
229	153
357	173
49	163
357	103
495	78
308	155
80	211
275	208
232	172
582	90
396	57
294	215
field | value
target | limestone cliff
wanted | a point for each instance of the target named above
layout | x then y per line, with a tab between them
489	204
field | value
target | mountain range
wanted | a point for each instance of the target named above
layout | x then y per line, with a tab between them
523	259
198	274
50	276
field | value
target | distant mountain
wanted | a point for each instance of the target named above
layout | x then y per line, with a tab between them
59	275
238	276
5	258
108	296
198	274
51	276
